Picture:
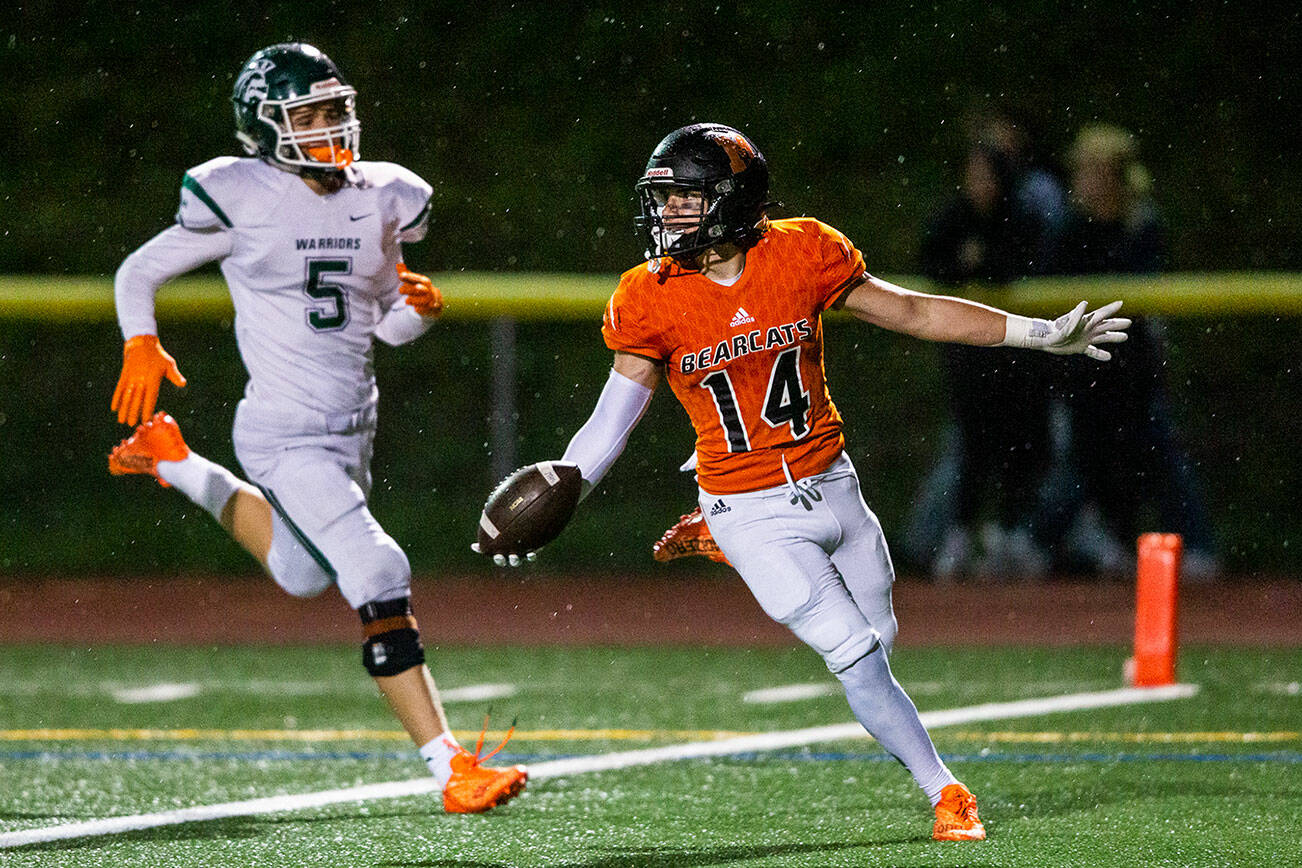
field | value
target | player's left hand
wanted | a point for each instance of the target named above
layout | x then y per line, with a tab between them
511	560
1081	332
422	294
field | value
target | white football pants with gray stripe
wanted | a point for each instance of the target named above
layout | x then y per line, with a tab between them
814	556
315	469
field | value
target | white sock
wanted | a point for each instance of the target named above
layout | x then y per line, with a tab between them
885	710
208	485
438	753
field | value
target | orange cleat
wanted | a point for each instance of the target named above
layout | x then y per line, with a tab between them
156	439
691	536
956	816
474	787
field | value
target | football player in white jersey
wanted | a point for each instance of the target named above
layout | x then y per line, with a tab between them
309	239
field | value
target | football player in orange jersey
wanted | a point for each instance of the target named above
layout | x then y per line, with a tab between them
728	309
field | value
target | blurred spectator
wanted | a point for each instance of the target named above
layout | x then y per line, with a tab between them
981	235
1125	468
991	471
1037	187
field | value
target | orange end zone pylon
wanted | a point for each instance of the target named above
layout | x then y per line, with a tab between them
1156	609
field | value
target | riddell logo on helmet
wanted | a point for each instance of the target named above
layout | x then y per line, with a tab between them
328	84
664	172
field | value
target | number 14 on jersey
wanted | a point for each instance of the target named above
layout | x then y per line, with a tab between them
785	403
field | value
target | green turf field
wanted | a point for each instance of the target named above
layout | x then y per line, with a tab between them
89	733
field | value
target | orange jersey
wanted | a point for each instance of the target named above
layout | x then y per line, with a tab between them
746	360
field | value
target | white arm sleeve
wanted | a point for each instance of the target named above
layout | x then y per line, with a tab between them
602	438
171	252
401	324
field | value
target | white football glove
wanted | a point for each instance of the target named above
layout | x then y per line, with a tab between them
511	560
1075	332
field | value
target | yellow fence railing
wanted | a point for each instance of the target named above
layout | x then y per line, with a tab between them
552	295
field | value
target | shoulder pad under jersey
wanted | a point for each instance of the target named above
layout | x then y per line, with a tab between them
407	196
218	193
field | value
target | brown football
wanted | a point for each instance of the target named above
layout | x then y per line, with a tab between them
529	508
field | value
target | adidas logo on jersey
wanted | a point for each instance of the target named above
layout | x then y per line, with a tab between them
719	508
740	318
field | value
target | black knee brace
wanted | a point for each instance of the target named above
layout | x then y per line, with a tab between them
392	643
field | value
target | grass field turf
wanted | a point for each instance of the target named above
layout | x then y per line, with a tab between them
1180	783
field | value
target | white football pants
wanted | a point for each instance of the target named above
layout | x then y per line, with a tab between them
315	470
814	556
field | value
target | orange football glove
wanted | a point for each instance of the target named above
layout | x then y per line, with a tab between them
144	364
422	294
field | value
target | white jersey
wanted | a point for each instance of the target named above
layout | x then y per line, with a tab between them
311	276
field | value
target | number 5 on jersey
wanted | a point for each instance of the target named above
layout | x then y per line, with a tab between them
786	402
331	313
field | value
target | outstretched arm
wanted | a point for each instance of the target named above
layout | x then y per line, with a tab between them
624	399
600	441
957	320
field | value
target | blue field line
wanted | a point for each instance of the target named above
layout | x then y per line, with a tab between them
786	756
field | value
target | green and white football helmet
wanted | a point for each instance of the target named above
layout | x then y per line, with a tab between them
280	78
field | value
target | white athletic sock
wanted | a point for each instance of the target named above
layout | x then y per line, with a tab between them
208	485
438	753
885	710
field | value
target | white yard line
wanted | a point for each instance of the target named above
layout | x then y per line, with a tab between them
353	687
790	693
844	731
802	692
156	693
477	692
167	692
932	688
601	762
1280	688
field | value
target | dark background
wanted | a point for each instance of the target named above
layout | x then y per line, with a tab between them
533	120
532	123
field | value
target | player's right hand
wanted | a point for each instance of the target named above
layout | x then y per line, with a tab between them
144	364
511	560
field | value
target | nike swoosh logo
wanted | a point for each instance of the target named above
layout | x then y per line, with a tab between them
360	217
